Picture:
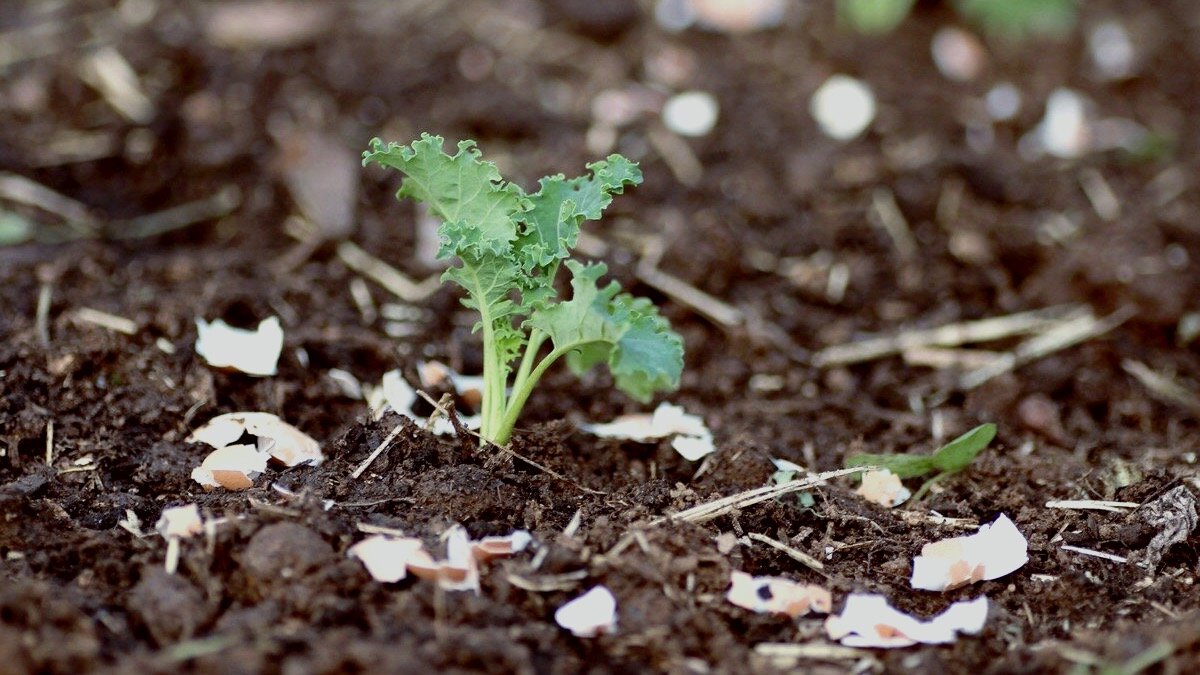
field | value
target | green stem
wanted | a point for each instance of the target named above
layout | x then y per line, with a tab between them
522	391
536	339
493	382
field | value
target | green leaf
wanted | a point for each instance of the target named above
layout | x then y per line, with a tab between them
960	452
873	17
1018	19
904	466
560	206
601	325
476	205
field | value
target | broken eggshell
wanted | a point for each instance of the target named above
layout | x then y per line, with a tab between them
868	620
489	548
281	440
180	522
396	393
254	352
883	488
387	558
992	552
233	467
591	614
692	439
777	595
458	572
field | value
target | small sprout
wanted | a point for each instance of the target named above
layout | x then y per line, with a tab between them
233	467
277	438
883	488
508	247
869	621
994	551
254	352
692	439
947	460
777	595
591	614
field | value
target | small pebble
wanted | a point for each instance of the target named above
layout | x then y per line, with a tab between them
844	107
1003	101
1112	50
692	113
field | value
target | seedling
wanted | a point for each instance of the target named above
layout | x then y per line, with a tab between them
1013	19
947	460
509	246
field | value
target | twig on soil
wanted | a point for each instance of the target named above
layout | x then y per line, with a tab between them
377	451
1092	504
362	299
548	583
19	189
49	442
268	507
368	528
941	358
935	518
795	554
387	276
719	507
888	216
178	217
42	313
949	335
786	654
107	71
118	324
1162	386
1096	554
720	313
677	155
1067	333
1100	195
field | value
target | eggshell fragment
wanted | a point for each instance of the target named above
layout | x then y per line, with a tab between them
992	552
693	440
254	352
396	393
281	440
458	572
180	522
843	107
777	595
739	16
869	621
884	488
387	558
233	467
591	614
500	547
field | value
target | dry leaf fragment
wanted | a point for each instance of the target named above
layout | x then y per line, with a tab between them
869	621
500	547
777	595
992	552
387	558
281	440
180	522
692	439
884	488
591	614
254	352
233	467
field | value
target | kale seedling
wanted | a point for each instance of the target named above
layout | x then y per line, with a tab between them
946	460
509	246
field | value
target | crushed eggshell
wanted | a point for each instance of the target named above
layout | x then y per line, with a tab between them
468	387
387	558
868	620
458	572
591	614
233	467
992	552
397	394
254	352
776	595
692	439
739	16
281	440
500	547
884	488
180	522
843	107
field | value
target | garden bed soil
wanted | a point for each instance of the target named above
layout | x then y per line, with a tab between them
775	206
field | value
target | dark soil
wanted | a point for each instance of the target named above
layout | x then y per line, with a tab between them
777	204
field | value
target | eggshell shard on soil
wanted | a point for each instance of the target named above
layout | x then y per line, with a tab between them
776	595
396	393
180	522
843	107
254	352
692	113
458	572
489	548
883	488
387	558
992	552
739	16
868	620
233	467
281	440
693	440
591	614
